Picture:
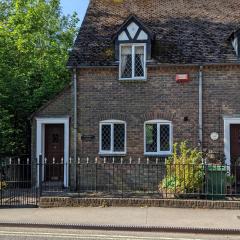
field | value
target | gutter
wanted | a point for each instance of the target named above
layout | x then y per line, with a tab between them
159	65
74	120
200	110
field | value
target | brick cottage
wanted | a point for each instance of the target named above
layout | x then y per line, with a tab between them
147	74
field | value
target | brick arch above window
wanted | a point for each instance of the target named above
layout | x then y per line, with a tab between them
129	118
158	115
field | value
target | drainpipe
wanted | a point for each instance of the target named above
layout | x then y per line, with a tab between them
200	110
74	125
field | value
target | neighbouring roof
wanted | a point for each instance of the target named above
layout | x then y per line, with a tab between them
186	31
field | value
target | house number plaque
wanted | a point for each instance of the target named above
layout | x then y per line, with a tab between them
214	136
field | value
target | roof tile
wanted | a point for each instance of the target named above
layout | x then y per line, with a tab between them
186	31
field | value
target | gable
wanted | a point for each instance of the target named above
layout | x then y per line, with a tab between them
132	31
60	105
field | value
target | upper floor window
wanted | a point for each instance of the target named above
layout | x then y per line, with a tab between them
133	43
158	137
133	61
112	137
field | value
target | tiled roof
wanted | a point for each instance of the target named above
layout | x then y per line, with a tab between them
186	31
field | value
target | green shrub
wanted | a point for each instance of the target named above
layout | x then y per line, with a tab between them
184	171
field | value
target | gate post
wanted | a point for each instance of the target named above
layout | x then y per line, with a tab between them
40	175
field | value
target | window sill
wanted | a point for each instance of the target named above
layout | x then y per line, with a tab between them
157	154
112	154
132	80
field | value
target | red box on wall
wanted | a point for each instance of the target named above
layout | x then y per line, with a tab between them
182	78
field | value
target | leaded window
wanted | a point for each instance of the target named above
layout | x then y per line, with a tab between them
133	61
158	137
112	137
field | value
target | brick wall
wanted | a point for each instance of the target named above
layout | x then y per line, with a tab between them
50	202
221	87
102	96
58	106
120	178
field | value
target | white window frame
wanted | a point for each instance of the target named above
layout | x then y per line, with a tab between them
133	46
111	151
159	123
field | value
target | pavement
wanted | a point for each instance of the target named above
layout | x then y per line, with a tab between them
195	220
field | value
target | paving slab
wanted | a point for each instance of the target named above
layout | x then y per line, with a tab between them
121	216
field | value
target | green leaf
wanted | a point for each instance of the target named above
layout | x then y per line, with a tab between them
34	42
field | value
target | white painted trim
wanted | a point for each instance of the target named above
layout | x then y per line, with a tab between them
113	121
133	45
123	36
40	140
111	151
159	123
142	36
227	144
132	29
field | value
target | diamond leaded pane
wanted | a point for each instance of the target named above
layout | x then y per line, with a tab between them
119	137
106	137
151	137
126	62
139	61
164	137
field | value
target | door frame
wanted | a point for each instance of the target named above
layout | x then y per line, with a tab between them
227	138
40	143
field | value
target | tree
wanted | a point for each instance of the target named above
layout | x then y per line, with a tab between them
34	42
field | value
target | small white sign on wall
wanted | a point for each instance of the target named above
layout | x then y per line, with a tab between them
214	136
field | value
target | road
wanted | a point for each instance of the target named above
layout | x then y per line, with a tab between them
54	234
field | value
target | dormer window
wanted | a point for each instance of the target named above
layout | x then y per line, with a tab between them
132	61
133	49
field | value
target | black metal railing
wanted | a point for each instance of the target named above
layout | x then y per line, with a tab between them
118	177
23	181
16	185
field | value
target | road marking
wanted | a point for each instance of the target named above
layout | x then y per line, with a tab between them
76	236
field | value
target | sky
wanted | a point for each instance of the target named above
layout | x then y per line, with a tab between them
79	6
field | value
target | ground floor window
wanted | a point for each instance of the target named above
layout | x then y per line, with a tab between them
112	137
158	137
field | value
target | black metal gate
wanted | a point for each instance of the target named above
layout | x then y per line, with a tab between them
16	186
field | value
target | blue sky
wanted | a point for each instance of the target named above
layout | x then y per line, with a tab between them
79	6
